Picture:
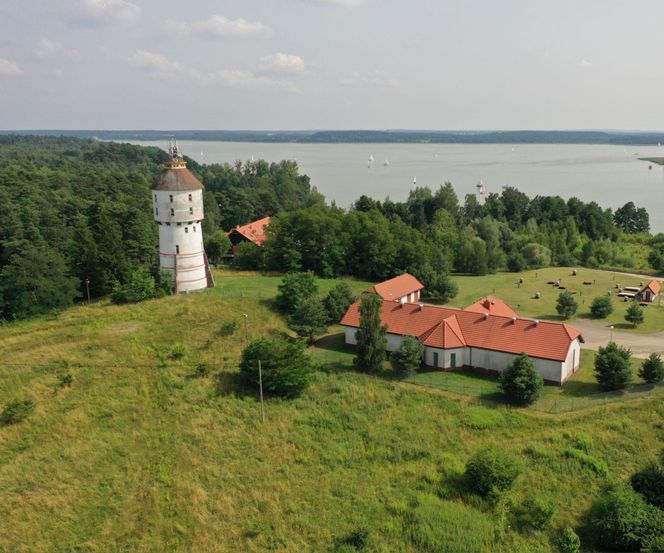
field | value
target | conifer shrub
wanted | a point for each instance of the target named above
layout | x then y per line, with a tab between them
601	307
491	472
652	369
520	381
649	482
16	410
408	358
613	369
568	541
286	368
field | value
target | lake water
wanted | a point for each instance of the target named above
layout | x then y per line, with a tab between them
610	175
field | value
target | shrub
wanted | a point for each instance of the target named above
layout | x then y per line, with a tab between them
337	302
248	257
566	305
516	262
623	521
139	286
309	319
649	482
601	307
613	369
408	358
201	370
654	544
634	314
568	542
535	514
652	370
217	246
491	471
228	328
294	289
287	370
178	352
520	382
16	410
65	379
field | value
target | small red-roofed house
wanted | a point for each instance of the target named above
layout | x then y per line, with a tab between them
403	288
251	232
650	291
485	339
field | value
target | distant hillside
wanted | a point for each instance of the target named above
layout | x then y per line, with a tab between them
372	136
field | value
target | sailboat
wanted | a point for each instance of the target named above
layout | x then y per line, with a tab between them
386	163
414	181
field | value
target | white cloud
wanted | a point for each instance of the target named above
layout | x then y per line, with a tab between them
342	3
585	63
283	63
155	64
9	68
243	80
218	26
371	78
47	49
105	12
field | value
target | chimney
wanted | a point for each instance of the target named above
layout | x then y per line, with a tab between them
537	322
486	316
420	306
513	320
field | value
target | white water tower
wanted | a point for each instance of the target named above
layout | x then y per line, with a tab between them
177	199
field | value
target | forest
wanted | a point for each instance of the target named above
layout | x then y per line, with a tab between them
77	216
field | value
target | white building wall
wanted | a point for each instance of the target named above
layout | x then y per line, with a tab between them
350	335
181	237
498	361
572	362
445	357
393	340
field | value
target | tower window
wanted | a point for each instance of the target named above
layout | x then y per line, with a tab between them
172	211
191	211
194	227
186	230
190	199
155	197
156	211
170	197
177	248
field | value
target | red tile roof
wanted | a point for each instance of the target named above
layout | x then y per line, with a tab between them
493	306
254	231
446	327
653	285
397	287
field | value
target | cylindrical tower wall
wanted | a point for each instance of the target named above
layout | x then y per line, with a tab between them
179	215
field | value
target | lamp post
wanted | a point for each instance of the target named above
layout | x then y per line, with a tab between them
246	328
611	327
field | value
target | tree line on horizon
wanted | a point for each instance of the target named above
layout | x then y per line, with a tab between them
77	214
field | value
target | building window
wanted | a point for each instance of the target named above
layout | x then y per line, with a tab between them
194	227
170	197
177	249
186	230
190	198
191	211
172	211
155	197
156	211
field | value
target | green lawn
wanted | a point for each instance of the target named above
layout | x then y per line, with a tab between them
138	455
522	298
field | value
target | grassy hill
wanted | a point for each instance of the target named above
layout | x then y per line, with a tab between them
139	455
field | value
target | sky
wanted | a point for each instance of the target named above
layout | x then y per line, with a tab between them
331	64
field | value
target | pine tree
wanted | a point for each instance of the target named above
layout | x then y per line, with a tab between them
371	341
612	366
634	314
566	305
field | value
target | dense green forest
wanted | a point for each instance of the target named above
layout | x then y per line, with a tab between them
78	209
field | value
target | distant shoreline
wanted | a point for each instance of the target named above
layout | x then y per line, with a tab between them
615	138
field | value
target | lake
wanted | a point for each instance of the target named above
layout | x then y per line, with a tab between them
610	175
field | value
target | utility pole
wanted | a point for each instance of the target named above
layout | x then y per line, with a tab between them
87	288
260	388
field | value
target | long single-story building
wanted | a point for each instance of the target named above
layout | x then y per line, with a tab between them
488	339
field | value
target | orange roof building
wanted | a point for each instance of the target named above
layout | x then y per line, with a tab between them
251	232
487	339
403	288
650	291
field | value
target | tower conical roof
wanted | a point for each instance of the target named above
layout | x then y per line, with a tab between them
175	176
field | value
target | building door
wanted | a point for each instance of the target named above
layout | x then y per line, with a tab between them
453	360
435	359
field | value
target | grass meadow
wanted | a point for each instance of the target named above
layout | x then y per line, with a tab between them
137	454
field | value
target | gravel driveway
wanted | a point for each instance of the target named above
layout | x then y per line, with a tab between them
597	333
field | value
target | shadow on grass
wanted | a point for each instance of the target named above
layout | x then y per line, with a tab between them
573	388
333	342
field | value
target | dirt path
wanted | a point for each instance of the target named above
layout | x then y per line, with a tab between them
597	333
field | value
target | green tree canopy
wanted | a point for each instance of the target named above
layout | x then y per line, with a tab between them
520	381
294	289
566	305
371	341
613	369
634	314
309	319
408	358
